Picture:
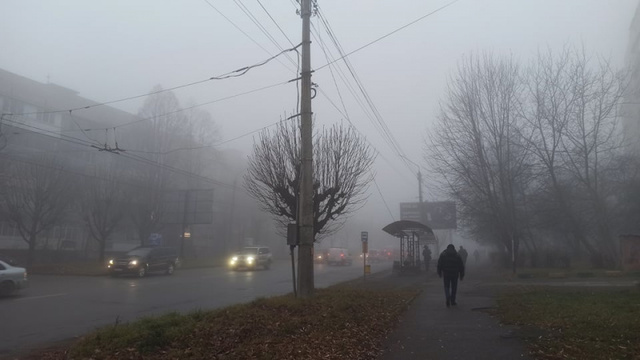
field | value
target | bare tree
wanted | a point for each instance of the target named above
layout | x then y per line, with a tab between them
36	197
342	172
104	205
475	149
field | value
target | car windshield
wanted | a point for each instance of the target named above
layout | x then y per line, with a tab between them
249	251
139	252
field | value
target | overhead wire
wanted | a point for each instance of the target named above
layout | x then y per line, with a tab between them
389	34
261	27
232	74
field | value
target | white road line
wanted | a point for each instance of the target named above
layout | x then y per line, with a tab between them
41	296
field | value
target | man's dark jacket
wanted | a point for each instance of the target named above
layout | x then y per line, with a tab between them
450	263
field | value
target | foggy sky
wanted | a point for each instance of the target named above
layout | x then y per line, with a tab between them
113	49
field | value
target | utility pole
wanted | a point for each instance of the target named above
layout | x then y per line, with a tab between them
305	249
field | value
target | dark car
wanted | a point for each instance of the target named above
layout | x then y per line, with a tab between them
250	258
143	260
339	256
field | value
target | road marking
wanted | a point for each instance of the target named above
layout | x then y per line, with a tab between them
41	296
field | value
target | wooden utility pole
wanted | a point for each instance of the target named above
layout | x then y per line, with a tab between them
305	248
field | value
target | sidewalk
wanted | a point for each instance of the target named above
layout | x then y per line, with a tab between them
430	330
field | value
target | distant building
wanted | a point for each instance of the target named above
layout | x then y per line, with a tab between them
32	125
631	103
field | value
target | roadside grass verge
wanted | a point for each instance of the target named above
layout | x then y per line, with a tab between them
340	322
576	323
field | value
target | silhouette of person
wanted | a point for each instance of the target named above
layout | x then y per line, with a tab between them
463	254
426	255
450	267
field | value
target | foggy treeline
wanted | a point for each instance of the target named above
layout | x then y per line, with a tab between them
68	197
534	154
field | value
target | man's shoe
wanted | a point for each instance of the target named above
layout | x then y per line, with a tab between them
447	302
454	303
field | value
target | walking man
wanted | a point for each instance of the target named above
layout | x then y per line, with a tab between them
450	267
463	254
426	255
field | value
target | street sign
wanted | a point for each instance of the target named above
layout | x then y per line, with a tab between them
292	234
155	239
364	236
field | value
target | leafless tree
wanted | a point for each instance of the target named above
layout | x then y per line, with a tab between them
475	149
36	197
571	117
104	204
342	171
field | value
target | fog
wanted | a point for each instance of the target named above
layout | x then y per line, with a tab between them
115	50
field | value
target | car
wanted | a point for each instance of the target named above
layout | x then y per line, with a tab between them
339	256
251	257
143	260
321	256
12	278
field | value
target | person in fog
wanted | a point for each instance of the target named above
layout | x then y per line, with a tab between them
426	255
463	254
450	267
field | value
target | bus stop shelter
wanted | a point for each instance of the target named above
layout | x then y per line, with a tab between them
411	234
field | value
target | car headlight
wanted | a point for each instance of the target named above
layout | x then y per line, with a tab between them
250	259
133	262
234	259
111	262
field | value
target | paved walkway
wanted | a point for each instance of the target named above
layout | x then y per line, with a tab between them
430	330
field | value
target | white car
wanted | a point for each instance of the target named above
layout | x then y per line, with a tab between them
12	278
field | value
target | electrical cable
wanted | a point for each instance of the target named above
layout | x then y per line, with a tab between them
389	34
232	74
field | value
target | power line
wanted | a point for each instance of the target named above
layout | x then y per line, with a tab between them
187	108
377	119
275	22
232	74
383	200
388	34
260	27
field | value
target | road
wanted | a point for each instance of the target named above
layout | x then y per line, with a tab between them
57	308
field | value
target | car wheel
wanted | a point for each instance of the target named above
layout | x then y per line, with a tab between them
170	269
142	271
6	288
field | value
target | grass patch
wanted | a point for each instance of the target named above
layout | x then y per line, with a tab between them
577	324
340	322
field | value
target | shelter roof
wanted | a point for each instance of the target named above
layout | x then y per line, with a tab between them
402	228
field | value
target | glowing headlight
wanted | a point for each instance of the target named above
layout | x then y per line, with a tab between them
319	256
111	262
250	259
234	259
133	262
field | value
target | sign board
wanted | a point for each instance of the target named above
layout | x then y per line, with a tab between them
438	215
367	269
292	234
364	236
155	239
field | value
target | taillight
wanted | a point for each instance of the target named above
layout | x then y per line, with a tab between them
341	255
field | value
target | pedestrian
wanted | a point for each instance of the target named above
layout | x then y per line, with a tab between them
426	255
450	267
463	254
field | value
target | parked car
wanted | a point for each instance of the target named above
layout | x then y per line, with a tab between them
251	257
12	278
143	260
339	256
320	257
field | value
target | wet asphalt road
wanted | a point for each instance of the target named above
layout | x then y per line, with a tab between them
57	308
